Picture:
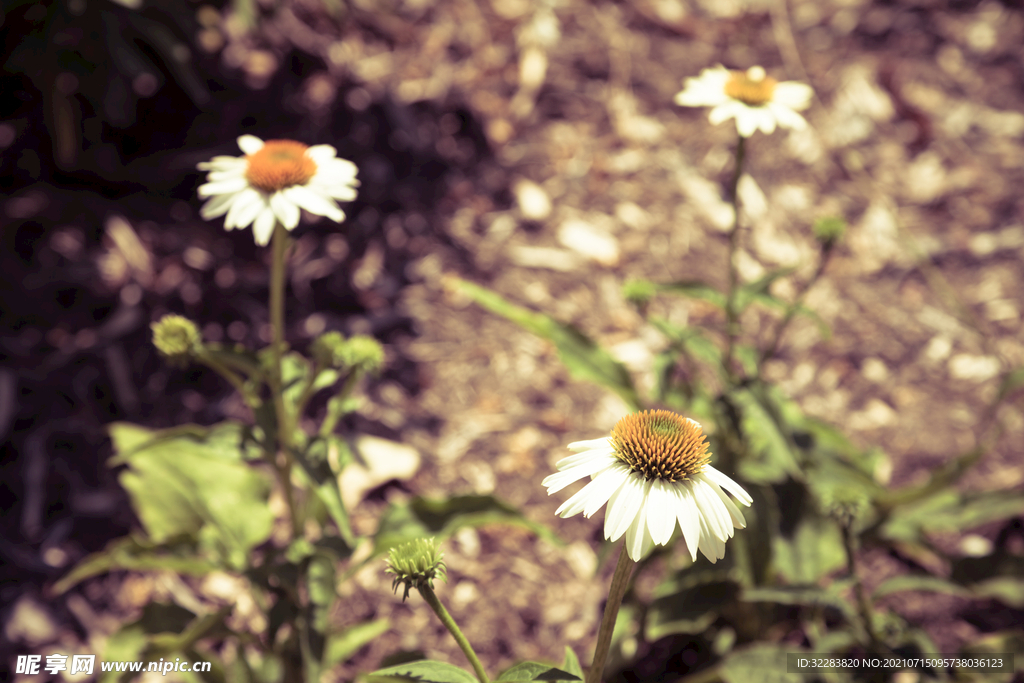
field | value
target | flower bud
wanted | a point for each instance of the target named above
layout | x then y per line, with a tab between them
416	564
829	230
332	350
639	292
177	338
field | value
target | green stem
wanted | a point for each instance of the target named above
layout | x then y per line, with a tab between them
620	580
863	604
428	594
731	314
279	245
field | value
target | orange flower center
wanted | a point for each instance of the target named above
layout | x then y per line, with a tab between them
279	164
659	444
752	86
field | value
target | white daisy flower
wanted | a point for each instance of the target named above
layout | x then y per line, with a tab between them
273	181
755	99
653	471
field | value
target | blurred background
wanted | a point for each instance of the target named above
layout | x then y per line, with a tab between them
531	146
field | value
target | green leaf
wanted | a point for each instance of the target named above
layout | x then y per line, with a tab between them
952	511
193	481
814	550
536	671
581	356
757	291
572	663
429	671
919	582
690	602
134	554
759	663
696	290
774	459
315	465
1006	589
440	518
127	644
341	646
1011	382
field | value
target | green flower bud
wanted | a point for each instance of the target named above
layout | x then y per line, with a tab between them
639	292
332	350
829	230
177	338
416	564
846	504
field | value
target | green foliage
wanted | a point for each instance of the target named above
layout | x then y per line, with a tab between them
535	671
428	671
440	518
191	481
582	357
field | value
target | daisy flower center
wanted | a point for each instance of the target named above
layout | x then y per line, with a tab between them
659	444
752	87
279	164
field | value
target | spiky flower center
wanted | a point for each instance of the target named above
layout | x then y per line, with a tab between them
279	164
752	86
659	444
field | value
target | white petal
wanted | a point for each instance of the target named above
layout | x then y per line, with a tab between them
225	174
218	206
263	228
313	202
661	511
575	460
223	187
591	497
603	486
793	95
248	204
734	512
688	516
710	545
287	213
603	442
321	154
559	480
250	144
786	117
221	163
728	484
725	111
623	507
713	510
638	533
765	119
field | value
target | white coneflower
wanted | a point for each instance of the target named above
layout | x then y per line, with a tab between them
273	181
755	99
653	471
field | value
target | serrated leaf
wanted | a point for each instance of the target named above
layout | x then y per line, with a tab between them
689	603
814	550
341	646
193	481
774	459
582	357
429	671
536	671
440	518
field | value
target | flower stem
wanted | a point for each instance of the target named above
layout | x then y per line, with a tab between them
731	314
791	310
620	579
279	246
428	594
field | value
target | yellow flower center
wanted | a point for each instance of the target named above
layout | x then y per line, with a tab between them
659	444
279	164
752	86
